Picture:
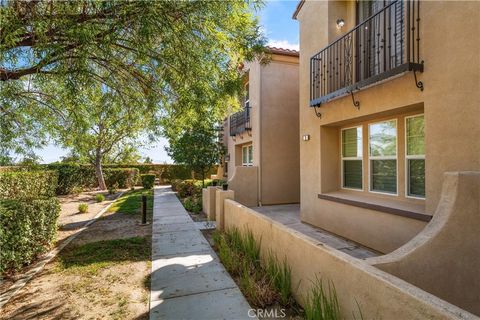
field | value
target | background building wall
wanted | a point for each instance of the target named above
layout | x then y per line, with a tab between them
248	137
280	158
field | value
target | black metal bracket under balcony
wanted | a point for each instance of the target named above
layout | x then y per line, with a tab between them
384	45
240	121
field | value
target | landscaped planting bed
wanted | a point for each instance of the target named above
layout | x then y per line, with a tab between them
189	193
266	285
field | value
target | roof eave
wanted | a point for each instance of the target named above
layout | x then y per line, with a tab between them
297	10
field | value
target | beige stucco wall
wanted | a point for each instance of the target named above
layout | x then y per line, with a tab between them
378	294
244	183
450	47
279	141
444	258
274	134
208	201
220	196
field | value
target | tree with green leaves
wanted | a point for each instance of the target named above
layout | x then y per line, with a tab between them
101	127
198	148
148	160
178	56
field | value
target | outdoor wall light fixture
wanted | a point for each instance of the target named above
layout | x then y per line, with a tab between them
306	137
340	23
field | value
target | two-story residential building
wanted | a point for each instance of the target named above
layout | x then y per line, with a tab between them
262	161
389	102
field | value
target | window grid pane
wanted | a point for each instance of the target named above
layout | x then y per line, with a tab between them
383	139
352	174
352	142
416	177
415	154
415	136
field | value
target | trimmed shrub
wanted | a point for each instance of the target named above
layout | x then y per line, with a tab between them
175	184
123	177
193	204
99	197
73	177
28	184
27	229
148	180
82	207
188	188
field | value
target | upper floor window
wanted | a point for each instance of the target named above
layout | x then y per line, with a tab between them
352	163
247	155
383	156
415	155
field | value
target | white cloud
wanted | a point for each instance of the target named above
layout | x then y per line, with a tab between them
284	44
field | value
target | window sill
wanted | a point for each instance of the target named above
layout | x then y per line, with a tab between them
395	207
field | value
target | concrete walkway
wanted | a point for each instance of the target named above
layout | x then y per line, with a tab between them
188	281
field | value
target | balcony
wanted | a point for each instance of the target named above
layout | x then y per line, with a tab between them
384	45
240	121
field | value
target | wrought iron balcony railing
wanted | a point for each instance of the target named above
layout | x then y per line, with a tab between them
384	45
240	121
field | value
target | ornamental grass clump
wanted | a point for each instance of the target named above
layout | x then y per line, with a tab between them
321	302
281	275
99	197
263	284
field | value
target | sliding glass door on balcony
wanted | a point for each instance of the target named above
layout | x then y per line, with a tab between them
384	43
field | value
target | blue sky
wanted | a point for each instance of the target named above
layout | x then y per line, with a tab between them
279	28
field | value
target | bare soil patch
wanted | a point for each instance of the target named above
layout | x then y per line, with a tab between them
198	217
102	274
71	220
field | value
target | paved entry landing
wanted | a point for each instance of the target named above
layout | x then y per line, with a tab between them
188	281
289	215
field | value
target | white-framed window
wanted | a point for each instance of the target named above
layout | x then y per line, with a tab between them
247	155
415	156
352	159
382	151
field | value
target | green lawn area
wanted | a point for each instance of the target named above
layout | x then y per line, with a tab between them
130	202
92	257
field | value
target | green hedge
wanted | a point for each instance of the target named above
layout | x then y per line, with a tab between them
148	180
27	184
123	178
166	172
73	176
27	229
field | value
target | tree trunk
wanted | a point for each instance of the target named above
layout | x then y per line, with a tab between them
99	171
